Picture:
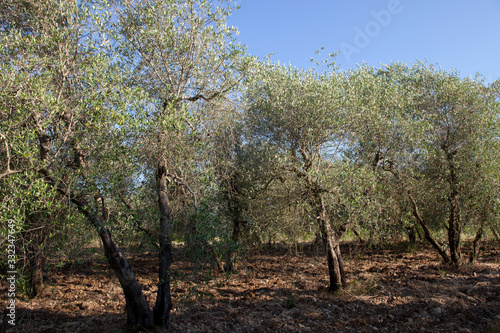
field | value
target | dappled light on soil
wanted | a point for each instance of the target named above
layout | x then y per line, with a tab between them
278	290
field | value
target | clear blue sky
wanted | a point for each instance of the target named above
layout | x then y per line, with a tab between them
459	34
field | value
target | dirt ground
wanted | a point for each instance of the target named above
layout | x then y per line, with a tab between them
278	290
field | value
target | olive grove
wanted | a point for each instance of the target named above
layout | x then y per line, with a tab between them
140	123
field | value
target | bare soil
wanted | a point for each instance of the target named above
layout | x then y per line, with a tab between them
278	290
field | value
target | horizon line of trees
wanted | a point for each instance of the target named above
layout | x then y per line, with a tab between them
147	122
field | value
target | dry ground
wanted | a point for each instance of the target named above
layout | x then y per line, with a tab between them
390	290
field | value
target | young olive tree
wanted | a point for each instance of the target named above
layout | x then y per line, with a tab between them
183	54
300	112
383	139
66	127
433	133
459	142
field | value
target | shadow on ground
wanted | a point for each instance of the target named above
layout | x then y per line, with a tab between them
283	291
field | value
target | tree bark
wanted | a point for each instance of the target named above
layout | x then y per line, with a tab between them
233	195
356	233
419	218
235	209
454	229
454	232
412	235
332	246
138	312
34	255
161	310
35	266
494	232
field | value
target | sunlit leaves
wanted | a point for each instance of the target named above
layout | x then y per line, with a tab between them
295	109
434	129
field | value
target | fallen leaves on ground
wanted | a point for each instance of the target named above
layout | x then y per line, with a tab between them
278	290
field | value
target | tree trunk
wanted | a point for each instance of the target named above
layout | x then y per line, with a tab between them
343	279
332	246
357	234
454	235
231	253
232	195
412	235
475	244
36	273
236	229
138	312
418	216
427	233
161	311
494	232
34	255
454	229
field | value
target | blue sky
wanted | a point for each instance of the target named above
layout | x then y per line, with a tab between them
458	34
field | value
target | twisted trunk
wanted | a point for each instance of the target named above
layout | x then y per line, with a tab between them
138	312
475	244
427	233
479	235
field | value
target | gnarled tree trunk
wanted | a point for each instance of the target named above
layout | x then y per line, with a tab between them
427	232
138	312
418	217
476	244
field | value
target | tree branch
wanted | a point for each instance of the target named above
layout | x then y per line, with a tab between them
138	224
9	171
415	210
205	98
179	181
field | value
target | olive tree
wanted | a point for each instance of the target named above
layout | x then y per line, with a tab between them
66	127
301	113
183	54
459	139
433	133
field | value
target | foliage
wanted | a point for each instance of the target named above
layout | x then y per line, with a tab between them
64	121
103	103
431	134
